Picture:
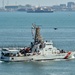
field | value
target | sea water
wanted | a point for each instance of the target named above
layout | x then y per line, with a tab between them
15	31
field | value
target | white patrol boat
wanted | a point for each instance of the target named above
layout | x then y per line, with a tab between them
37	51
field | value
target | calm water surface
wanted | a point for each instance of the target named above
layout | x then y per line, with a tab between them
15	30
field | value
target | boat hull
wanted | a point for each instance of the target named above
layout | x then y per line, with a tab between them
39	57
15	59
39	11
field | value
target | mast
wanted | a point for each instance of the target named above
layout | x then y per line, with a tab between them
37	35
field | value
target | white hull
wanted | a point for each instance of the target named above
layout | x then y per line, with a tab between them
15	59
39	57
53	56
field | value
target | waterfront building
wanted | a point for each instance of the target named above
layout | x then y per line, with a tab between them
70	6
11	8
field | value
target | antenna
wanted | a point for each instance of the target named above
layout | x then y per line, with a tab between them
33	29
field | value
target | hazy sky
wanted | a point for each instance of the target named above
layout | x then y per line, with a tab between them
35	2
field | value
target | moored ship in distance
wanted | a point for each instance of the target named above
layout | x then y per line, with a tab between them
38	50
39	10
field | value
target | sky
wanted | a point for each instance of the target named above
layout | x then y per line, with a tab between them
34	2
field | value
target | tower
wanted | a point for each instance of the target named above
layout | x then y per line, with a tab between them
38	37
36	34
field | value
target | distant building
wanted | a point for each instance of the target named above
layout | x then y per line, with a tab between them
21	8
71	6
11	8
63	7
56	8
17	7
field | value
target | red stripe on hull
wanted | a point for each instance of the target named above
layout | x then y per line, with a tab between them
68	54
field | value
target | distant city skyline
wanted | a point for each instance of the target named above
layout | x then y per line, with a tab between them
34	2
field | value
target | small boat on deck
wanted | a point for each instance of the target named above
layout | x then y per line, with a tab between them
13	55
38	50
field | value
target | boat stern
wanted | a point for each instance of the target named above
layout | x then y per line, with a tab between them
70	55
